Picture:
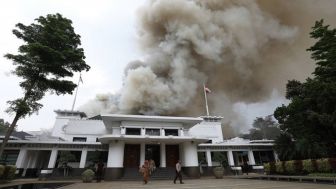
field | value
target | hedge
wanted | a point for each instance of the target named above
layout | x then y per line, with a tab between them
332	162
8	172
323	166
279	168
300	167
270	168
290	167
308	166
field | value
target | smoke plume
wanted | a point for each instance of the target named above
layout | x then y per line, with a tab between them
242	50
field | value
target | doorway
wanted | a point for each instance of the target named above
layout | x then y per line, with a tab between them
152	151
172	155
132	155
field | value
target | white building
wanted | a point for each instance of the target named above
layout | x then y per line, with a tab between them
124	142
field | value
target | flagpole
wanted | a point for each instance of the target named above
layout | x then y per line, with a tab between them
206	100
74	101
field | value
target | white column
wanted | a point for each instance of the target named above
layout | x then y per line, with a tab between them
28	161
208	158
143	131
190	154
116	154
251	157
142	153
230	158
33	160
53	158
123	131
83	158
181	132
20	161
163	155
163	133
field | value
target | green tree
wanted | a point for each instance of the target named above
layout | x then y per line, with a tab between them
263	128
3	126
48	58
310	117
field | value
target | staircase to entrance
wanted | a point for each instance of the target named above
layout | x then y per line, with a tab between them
159	174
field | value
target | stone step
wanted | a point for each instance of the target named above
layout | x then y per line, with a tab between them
158	174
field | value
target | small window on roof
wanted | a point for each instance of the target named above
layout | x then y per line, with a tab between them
171	132
153	132
133	131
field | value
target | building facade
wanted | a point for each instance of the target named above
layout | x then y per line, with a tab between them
124	142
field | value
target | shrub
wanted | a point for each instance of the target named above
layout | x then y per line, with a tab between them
279	167
9	172
2	170
273	168
298	166
308	166
332	162
270	168
314	162
87	175
323	165
267	168
290	167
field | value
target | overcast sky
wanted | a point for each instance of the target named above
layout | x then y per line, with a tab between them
108	35
108	31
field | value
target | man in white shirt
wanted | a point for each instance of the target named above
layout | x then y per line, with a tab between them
178	172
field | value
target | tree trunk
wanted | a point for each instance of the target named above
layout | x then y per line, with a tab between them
8	133
15	120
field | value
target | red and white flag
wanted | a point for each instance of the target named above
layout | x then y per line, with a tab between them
207	90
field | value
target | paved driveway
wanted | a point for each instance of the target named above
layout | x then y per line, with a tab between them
202	184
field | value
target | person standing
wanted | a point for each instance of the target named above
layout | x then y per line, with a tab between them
152	166
245	168
99	170
145	171
178	172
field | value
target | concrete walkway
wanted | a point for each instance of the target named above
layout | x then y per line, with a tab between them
226	183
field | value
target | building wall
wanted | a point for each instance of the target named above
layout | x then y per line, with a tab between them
206	129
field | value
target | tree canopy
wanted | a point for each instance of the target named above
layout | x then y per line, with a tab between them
308	122
45	62
3	126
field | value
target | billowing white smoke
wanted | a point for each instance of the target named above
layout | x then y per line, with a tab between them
233	46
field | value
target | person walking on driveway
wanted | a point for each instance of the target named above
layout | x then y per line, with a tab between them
178	172
145	171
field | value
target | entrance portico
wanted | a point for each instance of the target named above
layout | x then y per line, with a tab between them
162	139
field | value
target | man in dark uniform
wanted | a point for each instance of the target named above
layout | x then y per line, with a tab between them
178	172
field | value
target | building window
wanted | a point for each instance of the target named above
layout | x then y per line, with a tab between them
79	139
171	132
209	142
240	157
262	157
9	157
153	132
133	131
219	158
